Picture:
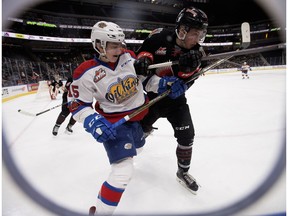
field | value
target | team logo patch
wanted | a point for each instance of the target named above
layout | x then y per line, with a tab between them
192	11
128	146
102	25
122	89
99	74
161	51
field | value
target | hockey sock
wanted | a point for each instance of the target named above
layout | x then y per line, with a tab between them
184	155
108	199
72	121
60	119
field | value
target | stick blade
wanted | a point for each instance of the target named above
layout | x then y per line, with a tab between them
26	113
245	32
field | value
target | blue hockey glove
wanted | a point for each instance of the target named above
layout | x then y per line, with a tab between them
99	127
177	86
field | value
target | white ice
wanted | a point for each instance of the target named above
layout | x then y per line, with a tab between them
240	125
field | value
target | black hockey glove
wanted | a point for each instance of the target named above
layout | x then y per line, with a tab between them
191	60
144	59
141	66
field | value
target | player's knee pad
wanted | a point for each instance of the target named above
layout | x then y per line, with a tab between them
185	142
121	173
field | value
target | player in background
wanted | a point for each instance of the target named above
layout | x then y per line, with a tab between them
111	80
54	85
163	45
244	68
65	111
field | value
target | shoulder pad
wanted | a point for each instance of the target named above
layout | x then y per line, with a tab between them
133	55
155	31
83	67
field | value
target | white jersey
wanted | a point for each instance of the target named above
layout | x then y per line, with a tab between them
116	90
245	67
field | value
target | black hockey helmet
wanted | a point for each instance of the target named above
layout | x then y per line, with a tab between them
192	17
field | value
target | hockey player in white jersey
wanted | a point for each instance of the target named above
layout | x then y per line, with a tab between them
110	78
244	68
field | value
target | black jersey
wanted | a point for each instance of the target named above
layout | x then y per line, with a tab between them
56	83
161	43
66	89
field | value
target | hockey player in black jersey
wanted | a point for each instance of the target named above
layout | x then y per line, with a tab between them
54	85
183	45
65	111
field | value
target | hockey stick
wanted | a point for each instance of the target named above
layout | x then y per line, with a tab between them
36	114
166	93
245	31
221	55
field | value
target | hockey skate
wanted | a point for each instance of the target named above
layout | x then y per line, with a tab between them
55	130
187	181
146	134
149	131
92	210
69	129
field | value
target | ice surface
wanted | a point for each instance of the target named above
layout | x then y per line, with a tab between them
240	126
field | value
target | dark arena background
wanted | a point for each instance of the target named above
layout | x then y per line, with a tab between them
46	39
32	51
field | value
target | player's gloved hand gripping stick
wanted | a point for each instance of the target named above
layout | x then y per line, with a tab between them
245	33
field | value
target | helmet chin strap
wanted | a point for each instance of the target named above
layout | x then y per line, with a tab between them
102	55
181	38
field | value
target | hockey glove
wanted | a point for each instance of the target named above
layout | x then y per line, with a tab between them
191	60
144	59
99	127
177	86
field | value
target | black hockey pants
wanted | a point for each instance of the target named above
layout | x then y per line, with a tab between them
178	114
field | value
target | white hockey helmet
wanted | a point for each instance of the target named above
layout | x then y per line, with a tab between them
104	32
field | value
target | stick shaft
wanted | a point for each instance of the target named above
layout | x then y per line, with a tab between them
246	51
166	93
141	109
40	113
223	55
50	109
245	32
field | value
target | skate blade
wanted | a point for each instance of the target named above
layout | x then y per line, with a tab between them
68	132
185	186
